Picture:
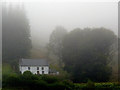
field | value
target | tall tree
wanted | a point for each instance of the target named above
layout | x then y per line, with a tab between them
86	54
55	41
16	41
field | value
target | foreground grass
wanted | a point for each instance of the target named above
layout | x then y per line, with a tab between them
98	86
75	86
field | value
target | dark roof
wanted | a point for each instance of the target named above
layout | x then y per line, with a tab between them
33	62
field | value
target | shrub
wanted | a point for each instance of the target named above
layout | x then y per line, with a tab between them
27	73
50	79
11	81
90	84
28	81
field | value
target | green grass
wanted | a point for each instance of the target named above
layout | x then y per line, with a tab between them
7	69
107	85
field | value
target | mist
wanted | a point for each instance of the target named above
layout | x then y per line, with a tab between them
77	41
45	16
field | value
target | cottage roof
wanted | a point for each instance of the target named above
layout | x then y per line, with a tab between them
33	62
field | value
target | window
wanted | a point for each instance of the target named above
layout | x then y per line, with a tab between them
42	68
28	68
42	72
37	68
38	72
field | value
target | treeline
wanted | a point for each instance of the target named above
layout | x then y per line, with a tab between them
16	41
84	53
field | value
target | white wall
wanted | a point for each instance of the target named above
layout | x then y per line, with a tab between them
34	70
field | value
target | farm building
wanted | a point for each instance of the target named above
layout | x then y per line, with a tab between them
36	66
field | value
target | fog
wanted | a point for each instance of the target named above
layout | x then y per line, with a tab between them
82	49
45	16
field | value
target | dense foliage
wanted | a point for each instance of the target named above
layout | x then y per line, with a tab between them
28	81
87	53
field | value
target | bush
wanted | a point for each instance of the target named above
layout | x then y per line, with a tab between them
90	84
28	81
50	79
11	81
27	73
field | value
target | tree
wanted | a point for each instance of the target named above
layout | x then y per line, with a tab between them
55	41
16	41
87	53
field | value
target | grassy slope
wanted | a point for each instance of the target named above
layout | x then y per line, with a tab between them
6	69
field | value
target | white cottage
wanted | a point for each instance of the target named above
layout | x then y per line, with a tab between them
36	66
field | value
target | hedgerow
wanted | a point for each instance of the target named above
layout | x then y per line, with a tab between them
28	81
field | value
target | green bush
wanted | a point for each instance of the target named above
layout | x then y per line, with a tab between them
36	82
27	74
90	84
28	81
50	79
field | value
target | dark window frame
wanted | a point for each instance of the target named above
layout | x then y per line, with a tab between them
43	72
37	68
28	68
38	72
42	68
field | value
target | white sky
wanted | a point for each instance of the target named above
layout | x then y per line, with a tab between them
45	16
59	0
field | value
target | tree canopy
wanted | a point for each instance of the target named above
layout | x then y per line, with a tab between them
87	53
55	41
